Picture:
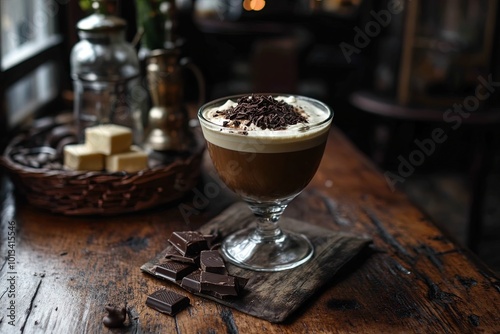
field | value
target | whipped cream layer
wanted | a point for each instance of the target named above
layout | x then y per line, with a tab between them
250	138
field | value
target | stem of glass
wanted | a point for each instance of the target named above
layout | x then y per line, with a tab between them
268	215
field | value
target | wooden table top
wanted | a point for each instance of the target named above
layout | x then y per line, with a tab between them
414	280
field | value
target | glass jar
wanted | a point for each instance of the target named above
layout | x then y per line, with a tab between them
106	76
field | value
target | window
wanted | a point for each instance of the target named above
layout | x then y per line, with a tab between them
31	57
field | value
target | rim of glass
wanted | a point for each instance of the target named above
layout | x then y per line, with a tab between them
202	118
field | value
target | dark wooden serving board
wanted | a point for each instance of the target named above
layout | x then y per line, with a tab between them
274	296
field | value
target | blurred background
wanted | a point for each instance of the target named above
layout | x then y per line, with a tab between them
414	84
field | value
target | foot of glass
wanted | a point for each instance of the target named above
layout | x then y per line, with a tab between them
247	249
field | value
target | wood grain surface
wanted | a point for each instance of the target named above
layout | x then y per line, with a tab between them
67	269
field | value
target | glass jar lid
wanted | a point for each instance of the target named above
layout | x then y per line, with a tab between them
100	23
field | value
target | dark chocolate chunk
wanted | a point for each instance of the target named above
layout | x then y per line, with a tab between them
176	257
173	271
221	284
219	295
115	318
167	301
188	242
191	282
212	261
197	269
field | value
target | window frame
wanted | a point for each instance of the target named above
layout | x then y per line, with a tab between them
56	51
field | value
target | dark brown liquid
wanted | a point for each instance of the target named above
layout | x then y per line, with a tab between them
266	176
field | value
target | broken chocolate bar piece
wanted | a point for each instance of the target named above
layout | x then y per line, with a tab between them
193	260
218	295
173	271
167	301
217	283
188	242
211	261
191	282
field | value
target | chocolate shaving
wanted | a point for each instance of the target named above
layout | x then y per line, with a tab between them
263	111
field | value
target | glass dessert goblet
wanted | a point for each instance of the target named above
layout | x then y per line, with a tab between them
266	148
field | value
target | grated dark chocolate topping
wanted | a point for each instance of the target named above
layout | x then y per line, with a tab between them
263	111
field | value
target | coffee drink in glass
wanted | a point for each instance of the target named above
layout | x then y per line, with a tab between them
266	148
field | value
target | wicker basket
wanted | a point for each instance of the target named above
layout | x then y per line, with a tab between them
169	178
